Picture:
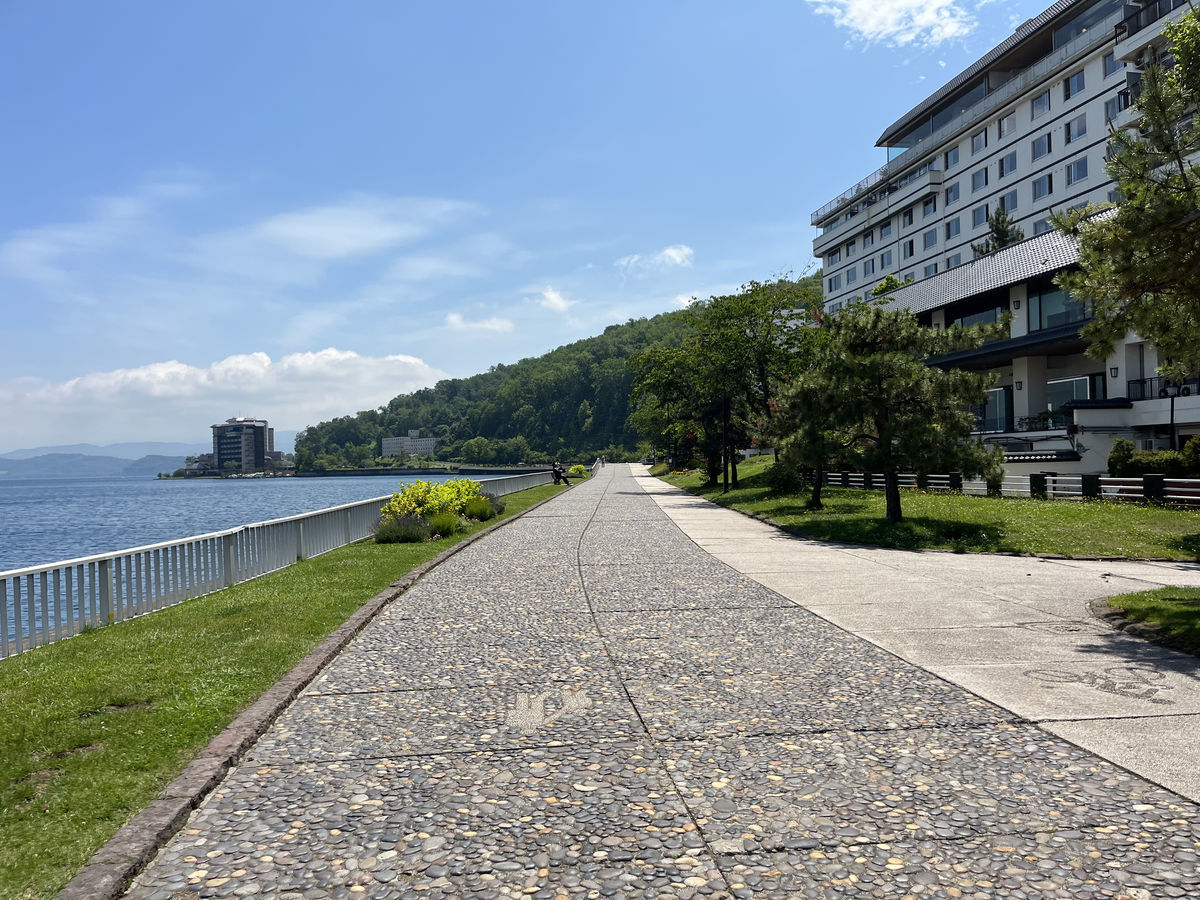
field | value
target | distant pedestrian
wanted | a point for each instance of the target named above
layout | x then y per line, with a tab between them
559	473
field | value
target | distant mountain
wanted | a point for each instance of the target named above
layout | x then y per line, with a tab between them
77	465
126	451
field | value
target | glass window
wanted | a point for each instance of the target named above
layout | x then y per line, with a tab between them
907	218
929	238
1007	124
885	230
1077	170
1008	164
953	227
835	256
1043	186
1112	108
907	249
1076	128
979	180
1053	308
996	414
1041	226
835	283
1059	393
979	216
849	249
951	157
851	275
1111	64
979	141
868	239
931	270
953	261
1040	105
929	207
885	259
1041	146
1009	201
868	267
952	193
1073	85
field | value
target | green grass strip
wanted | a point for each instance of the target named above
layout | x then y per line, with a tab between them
1173	611
96	726
967	524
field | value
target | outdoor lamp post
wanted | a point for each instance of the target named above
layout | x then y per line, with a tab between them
1172	391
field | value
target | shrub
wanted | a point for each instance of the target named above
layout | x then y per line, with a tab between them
480	508
402	530
578	471
1126	462
446	523
785	477
1120	458
498	503
425	499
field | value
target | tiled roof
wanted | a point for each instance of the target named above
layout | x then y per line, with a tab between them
1023	32
1018	262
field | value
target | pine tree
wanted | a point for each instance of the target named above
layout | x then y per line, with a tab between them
1002	231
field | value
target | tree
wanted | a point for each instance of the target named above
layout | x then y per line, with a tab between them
1002	231
869	390
1139	266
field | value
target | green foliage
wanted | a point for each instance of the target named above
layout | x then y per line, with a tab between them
566	404
426	499
402	530
1002	231
497	502
1120	458
1140	265
1126	462
578	471
445	524
1174	610
480	509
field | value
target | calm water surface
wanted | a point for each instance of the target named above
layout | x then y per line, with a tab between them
45	520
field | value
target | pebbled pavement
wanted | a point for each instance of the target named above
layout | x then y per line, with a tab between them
587	704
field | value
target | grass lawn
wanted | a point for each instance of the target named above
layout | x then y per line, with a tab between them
95	726
1175	610
967	524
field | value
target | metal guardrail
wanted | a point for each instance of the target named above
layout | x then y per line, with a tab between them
46	603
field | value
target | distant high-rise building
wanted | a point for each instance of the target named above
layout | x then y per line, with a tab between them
247	442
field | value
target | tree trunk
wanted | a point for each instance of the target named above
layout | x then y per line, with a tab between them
733	466
814	502
725	444
891	491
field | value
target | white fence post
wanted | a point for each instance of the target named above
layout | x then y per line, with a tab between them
106	592
227	560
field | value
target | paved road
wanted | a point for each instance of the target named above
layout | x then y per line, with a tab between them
588	704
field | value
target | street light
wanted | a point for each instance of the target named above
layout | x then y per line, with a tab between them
1172	391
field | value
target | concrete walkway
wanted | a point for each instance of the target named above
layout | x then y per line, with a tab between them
587	703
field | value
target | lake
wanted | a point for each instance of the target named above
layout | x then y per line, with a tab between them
45	520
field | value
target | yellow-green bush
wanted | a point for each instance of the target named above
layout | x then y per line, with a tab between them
578	471
425	499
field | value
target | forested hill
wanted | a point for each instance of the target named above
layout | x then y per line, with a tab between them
571	402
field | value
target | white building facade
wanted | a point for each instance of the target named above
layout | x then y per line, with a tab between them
1025	128
412	444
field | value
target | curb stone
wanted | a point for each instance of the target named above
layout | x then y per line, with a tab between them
1147	631
110	870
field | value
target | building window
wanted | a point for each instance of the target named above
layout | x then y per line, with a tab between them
979	216
953	227
906	249
979	141
1008	124
929	207
1041	146
868	239
1008	164
1040	105
868	267
1054	307
849	249
1077	170
954	261
885	259
1111	64
1059	393
835	283
951	157
1076	129
1043	187
1115	197
885	230
835	257
906	218
952	193
851	275
929	238
1112	108
1073	85
930	270
1009	201
1041	226
979	180
908	276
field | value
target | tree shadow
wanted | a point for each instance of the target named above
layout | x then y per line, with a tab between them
1187	543
913	533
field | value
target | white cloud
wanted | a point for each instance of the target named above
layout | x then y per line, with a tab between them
175	401
676	255
900	22
554	300
456	322
683	300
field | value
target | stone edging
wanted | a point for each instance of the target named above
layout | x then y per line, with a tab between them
1117	619
107	874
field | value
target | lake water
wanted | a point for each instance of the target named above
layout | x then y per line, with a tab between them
44	520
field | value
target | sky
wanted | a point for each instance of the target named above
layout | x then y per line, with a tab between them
296	210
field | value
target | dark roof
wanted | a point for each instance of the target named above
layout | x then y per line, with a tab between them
1023	33
1039	255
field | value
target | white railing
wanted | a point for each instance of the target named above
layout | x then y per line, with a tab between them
42	604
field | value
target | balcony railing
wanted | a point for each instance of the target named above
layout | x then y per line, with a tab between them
1156	388
1145	17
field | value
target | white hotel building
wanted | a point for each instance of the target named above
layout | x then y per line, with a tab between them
1024	128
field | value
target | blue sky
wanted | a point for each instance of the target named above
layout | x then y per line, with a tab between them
297	210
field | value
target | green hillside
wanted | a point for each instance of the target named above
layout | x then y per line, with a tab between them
570	403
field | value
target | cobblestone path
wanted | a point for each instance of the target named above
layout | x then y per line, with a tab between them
585	704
